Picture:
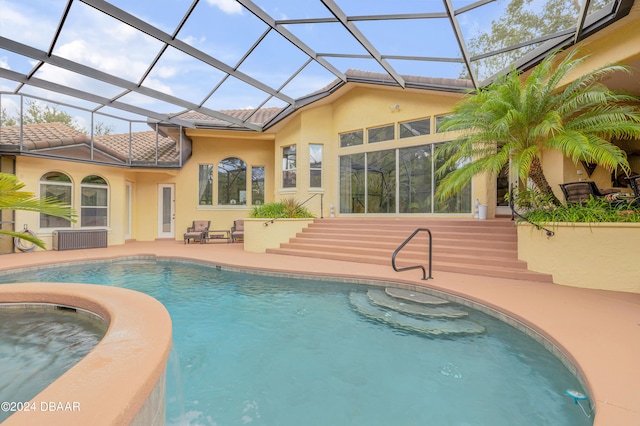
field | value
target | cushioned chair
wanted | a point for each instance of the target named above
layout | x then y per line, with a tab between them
199	230
634	183
579	192
237	230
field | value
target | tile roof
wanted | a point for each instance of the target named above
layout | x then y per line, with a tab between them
62	140
143	146
259	117
263	116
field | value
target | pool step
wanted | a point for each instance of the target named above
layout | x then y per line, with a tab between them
382	299
429	326
415	297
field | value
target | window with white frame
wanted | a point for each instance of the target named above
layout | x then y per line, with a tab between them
381	134
257	185
289	166
94	204
56	186
439	120
413	128
351	138
232	182
315	166
205	184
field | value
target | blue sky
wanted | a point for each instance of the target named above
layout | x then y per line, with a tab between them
225	30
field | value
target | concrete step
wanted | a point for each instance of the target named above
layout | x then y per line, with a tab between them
409	256
517	274
477	234
416	222
465	246
382	299
369	239
432	327
415	297
448	246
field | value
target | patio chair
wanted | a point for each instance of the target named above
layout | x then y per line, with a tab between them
634	183
579	192
199	230
237	230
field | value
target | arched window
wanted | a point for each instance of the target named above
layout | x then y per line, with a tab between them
232	181
94	207
57	186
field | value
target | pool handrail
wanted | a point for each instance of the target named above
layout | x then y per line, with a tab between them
406	268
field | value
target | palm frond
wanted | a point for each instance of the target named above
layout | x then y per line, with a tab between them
13	198
23	236
520	118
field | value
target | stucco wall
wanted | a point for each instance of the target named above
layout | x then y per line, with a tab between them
30	170
588	255
258	151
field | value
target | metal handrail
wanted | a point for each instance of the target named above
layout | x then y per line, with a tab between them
401	246
514	213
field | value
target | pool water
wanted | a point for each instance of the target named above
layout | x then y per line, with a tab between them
37	345
261	350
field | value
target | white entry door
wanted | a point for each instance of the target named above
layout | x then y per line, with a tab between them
166	211
128	199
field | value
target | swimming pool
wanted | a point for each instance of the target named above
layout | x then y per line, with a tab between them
268	350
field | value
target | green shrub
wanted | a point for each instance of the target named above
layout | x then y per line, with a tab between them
287	208
592	210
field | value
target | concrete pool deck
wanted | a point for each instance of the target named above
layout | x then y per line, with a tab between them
598	330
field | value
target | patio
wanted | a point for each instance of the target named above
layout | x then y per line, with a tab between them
596	329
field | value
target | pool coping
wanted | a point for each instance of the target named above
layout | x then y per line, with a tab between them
122	379
596	330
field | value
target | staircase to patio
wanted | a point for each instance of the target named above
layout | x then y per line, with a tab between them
464	246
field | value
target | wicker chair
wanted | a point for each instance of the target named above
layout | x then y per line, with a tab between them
237	230
199	230
634	183
579	192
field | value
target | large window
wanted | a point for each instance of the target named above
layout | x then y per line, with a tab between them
257	185
457	203
381	134
205	184
351	138
396	181
415	128
381	181
58	186
315	166
415	176
352	195
289	166
94	208
232	181
439	120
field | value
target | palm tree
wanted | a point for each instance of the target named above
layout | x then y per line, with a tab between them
511	122
13	198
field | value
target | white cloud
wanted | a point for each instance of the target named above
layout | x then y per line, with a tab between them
4	63
230	7
165	72
152	83
17	22
117	63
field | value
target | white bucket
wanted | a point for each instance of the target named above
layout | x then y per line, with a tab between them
482	211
